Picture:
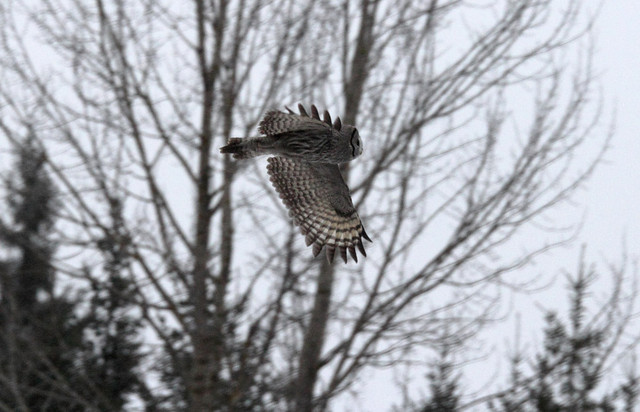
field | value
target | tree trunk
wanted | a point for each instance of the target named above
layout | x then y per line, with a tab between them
313	339
206	344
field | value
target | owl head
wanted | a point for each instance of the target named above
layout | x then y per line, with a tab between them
354	140
348	134
347	131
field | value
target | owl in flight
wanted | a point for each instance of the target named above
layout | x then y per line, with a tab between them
304	170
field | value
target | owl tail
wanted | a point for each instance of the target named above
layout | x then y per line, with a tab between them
246	148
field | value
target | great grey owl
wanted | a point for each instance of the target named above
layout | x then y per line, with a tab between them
305	173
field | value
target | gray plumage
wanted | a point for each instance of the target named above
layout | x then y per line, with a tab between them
300	135
305	173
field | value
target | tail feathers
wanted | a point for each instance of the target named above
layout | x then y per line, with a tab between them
242	148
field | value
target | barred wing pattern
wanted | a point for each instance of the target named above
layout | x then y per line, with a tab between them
276	122
319	203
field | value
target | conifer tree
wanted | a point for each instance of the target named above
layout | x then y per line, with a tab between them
37	328
575	359
52	356
443	383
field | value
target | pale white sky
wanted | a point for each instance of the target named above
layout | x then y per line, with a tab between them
609	204
614	191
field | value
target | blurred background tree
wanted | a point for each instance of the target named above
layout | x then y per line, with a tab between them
585	363
53	354
190	258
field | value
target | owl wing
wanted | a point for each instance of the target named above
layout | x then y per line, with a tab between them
319	203
276	122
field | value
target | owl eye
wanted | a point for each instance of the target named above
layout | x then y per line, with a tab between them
355	143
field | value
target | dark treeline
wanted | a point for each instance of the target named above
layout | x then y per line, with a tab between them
140	269
59	350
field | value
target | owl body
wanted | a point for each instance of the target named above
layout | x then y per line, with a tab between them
304	171
328	147
300	136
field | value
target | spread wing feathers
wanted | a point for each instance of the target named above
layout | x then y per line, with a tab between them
319	203
276	122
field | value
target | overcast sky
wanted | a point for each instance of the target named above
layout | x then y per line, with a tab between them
609	202
613	193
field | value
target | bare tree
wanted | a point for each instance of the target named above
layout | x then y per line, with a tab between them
137	96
